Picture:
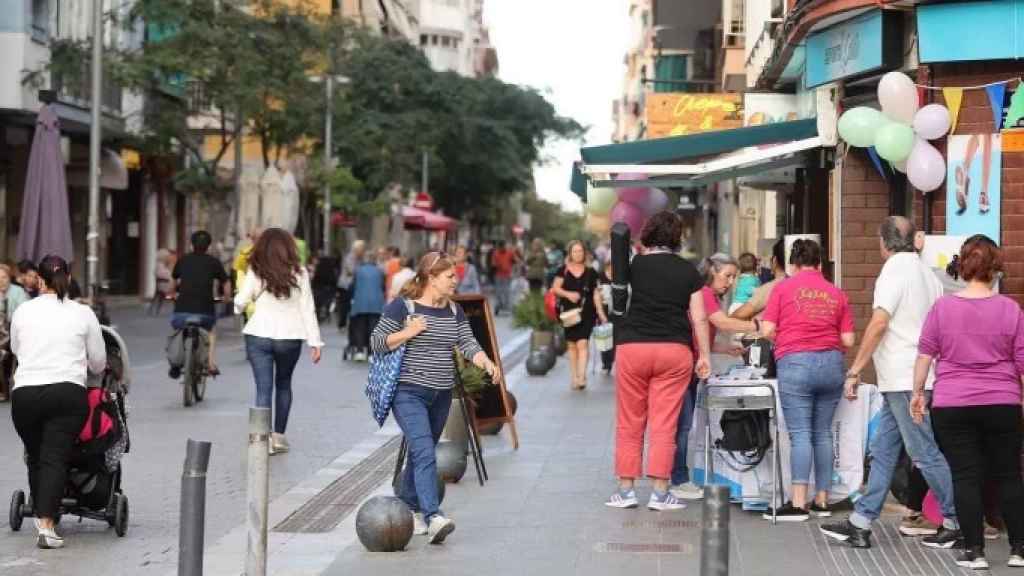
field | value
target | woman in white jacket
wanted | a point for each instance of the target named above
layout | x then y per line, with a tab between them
283	318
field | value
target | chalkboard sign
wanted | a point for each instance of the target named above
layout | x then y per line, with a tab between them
493	406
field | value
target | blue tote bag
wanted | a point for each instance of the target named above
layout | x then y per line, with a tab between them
383	379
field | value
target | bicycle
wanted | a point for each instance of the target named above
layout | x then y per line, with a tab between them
194	367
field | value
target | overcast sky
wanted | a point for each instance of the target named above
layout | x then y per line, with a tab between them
573	50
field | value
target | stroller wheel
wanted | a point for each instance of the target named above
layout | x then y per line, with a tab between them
17	514
121	515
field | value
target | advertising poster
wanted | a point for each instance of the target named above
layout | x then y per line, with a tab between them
679	114
973	195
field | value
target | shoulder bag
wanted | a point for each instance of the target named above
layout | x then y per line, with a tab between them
383	378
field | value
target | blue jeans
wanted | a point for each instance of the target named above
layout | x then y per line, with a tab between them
178	320
680	471
273	362
810	386
896	429
501	290
421	413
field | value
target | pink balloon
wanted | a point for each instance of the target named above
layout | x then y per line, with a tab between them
636	196
630	215
656	200
932	510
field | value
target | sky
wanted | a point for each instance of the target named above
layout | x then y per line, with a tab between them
573	51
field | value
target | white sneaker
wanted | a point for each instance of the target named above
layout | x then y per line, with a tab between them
664	502
360	357
688	491
278	443
419	527
48	539
439	529
623	500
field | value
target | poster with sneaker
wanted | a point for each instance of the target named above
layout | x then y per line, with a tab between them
973	177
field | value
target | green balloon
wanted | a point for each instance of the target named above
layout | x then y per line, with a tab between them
894	142
600	200
859	126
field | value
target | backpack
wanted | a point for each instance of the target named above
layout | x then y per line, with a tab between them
102	428
746	434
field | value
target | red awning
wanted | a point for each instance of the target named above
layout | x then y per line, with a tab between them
419	219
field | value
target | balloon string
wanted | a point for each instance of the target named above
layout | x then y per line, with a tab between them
978	87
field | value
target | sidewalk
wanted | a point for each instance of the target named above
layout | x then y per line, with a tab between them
542	513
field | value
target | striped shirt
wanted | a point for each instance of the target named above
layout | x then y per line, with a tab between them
428	359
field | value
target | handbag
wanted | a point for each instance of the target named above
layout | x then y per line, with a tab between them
570	318
745	433
382	380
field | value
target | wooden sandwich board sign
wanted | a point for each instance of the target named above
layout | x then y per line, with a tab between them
478	313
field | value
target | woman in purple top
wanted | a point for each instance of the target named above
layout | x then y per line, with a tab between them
976	339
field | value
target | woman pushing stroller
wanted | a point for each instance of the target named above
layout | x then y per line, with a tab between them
57	341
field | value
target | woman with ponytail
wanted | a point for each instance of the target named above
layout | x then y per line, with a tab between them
810	320
431	327
57	342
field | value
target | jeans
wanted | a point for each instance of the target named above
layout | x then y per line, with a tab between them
501	290
810	386
983	443
273	362
421	413
48	418
205	321
896	429
680	471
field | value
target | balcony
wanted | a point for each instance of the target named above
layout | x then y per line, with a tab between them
75	88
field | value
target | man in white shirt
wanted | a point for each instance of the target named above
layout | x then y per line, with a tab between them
904	293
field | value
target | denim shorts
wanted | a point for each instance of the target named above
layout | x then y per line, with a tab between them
179	319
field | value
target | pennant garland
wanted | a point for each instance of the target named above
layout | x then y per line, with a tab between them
877	161
954	98
996	94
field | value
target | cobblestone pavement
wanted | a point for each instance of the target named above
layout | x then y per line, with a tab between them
329	416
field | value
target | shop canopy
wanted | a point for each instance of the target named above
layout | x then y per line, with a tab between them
697	159
419	219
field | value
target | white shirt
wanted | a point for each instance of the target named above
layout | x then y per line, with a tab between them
906	289
398	281
291	318
56	342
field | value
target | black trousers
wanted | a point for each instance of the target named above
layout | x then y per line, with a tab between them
983	443
48	418
917	489
360	328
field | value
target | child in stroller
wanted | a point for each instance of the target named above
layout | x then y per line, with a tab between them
93	488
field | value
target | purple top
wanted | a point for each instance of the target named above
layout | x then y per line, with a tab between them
979	348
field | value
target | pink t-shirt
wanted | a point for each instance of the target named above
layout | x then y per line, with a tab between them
711	306
979	347
810	314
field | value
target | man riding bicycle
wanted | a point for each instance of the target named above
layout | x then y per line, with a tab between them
192	286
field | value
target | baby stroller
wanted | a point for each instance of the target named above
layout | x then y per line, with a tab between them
93	488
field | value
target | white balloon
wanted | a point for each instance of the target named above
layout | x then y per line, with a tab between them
898	97
932	121
926	168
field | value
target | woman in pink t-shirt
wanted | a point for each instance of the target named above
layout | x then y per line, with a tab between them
976	339
810	321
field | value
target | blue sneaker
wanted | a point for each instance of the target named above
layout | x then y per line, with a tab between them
665	502
623	499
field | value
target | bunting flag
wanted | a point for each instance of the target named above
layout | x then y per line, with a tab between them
996	95
877	162
954	98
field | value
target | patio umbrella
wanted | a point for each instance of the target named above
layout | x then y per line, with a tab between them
249	201
290	201
45	219
271	213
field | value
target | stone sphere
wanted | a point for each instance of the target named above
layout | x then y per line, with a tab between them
384	524
537	363
396	486
451	462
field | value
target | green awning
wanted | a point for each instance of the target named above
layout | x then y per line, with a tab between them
676	148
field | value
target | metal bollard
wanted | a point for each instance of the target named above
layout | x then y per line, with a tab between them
258	492
714	540
192	521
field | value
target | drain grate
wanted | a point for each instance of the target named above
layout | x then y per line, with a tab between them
635	548
323	512
661	524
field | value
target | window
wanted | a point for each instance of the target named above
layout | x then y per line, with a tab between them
41	20
423	39
433	39
670	73
445	41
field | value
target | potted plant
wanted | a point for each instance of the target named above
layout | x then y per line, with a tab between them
530	313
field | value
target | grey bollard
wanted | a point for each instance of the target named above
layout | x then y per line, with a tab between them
258	492
192	521
714	539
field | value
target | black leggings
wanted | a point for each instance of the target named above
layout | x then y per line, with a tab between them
983	443
48	418
360	328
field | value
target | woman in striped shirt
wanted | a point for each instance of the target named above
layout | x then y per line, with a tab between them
430	326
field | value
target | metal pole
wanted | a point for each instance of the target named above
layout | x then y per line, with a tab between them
258	492
92	237
192	521
425	174
328	153
714	540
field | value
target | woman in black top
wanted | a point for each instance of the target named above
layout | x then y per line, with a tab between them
576	287
656	356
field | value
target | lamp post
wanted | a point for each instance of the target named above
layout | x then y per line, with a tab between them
92	237
329	82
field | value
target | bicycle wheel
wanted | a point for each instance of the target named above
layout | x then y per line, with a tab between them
188	375
199	382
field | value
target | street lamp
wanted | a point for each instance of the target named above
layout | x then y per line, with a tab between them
328	149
